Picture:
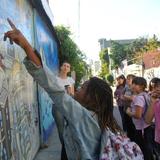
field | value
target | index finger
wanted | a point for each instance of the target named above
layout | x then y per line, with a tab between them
11	24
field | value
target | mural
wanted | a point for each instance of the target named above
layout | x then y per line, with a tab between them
19	128
47	47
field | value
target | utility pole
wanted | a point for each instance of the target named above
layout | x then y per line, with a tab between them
143	65
79	17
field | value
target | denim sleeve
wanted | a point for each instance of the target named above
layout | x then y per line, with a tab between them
64	103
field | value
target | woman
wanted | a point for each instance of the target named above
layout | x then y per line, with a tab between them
86	117
68	83
64	79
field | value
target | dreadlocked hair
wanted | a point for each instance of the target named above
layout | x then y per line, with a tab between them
101	94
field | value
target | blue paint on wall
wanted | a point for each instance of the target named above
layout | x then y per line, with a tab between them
46	44
47	47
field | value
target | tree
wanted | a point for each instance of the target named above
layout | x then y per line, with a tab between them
152	44
118	53
104	63
110	79
69	51
133	51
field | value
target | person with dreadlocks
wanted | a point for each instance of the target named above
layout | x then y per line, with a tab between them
85	117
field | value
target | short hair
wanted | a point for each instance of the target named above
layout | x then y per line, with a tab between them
140	81
131	76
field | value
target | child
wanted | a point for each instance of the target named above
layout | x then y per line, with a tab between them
153	111
84	118
152	83
118	94
137	111
127	98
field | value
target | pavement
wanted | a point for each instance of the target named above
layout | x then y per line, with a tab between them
53	151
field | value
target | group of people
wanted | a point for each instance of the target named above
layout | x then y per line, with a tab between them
83	116
139	108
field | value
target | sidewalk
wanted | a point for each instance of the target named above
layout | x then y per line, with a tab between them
53	151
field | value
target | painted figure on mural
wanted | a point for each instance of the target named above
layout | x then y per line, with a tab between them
5	132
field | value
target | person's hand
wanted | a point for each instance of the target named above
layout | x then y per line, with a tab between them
15	35
155	95
122	97
128	111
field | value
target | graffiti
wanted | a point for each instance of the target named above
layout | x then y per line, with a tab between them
5	134
19	116
46	114
19	129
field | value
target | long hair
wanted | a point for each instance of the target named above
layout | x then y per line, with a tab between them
153	81
124	80
101	94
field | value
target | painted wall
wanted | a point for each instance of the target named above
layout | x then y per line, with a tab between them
47	47
19	130
19	114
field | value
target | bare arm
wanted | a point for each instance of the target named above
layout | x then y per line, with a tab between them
137	114
150	111
72	90
129	98
16	36
149	114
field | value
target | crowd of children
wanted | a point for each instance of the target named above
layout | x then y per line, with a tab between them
139	106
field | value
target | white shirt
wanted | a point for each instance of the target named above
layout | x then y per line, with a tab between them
68	81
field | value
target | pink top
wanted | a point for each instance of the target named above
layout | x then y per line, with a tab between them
157	121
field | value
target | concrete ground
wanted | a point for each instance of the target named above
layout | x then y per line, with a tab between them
53	151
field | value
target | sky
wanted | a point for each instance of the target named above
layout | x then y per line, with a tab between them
110	19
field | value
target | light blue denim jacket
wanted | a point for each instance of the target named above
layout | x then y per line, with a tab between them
81	132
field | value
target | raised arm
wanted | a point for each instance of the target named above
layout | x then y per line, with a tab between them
16	36
150	111
65	104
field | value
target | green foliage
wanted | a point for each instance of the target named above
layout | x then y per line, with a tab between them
118	53
152	44
133	51
110	79
104	63
69	51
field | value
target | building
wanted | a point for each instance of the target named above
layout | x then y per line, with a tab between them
108	43
97	68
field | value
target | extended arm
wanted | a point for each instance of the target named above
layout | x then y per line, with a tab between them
70	108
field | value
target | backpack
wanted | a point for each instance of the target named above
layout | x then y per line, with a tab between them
118	147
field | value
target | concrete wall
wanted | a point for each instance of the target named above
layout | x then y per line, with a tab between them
19	109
